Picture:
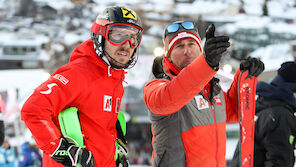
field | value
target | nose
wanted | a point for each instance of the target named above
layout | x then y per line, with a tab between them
187	51
126	44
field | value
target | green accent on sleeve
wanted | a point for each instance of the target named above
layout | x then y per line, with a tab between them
291	139
116	152
122	123
70	126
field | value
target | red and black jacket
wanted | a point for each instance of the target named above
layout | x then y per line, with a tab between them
188	128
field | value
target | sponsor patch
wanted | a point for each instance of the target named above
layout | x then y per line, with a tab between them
182	35
107	103
49	90
61	78
217	100
118	101
128	13
201	102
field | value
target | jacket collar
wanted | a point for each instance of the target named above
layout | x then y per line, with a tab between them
86	51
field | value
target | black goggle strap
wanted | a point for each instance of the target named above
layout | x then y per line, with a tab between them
99	27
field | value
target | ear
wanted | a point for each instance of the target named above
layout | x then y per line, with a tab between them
165	54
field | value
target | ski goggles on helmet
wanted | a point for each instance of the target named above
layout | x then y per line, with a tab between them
172	28
119	33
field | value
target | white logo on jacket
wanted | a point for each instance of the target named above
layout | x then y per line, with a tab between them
118	101
218	100
201	102
61	78
46	92
107	103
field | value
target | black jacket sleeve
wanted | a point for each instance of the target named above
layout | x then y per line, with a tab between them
273	147
276	140
272	139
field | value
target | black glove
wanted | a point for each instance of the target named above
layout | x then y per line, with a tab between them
215	88
122	160
69	155
254	65
214	47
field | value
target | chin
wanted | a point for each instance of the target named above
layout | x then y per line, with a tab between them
185	65
121	63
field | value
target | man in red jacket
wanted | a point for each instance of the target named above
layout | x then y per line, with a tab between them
91	82
188	110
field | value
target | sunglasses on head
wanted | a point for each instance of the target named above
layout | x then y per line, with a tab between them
187	25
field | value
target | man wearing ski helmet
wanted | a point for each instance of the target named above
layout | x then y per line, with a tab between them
105	28
187	108
91	82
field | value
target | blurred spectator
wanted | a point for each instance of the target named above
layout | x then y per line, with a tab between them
2	104
30	155
7	155
2	132
139	152
139	143
2	108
